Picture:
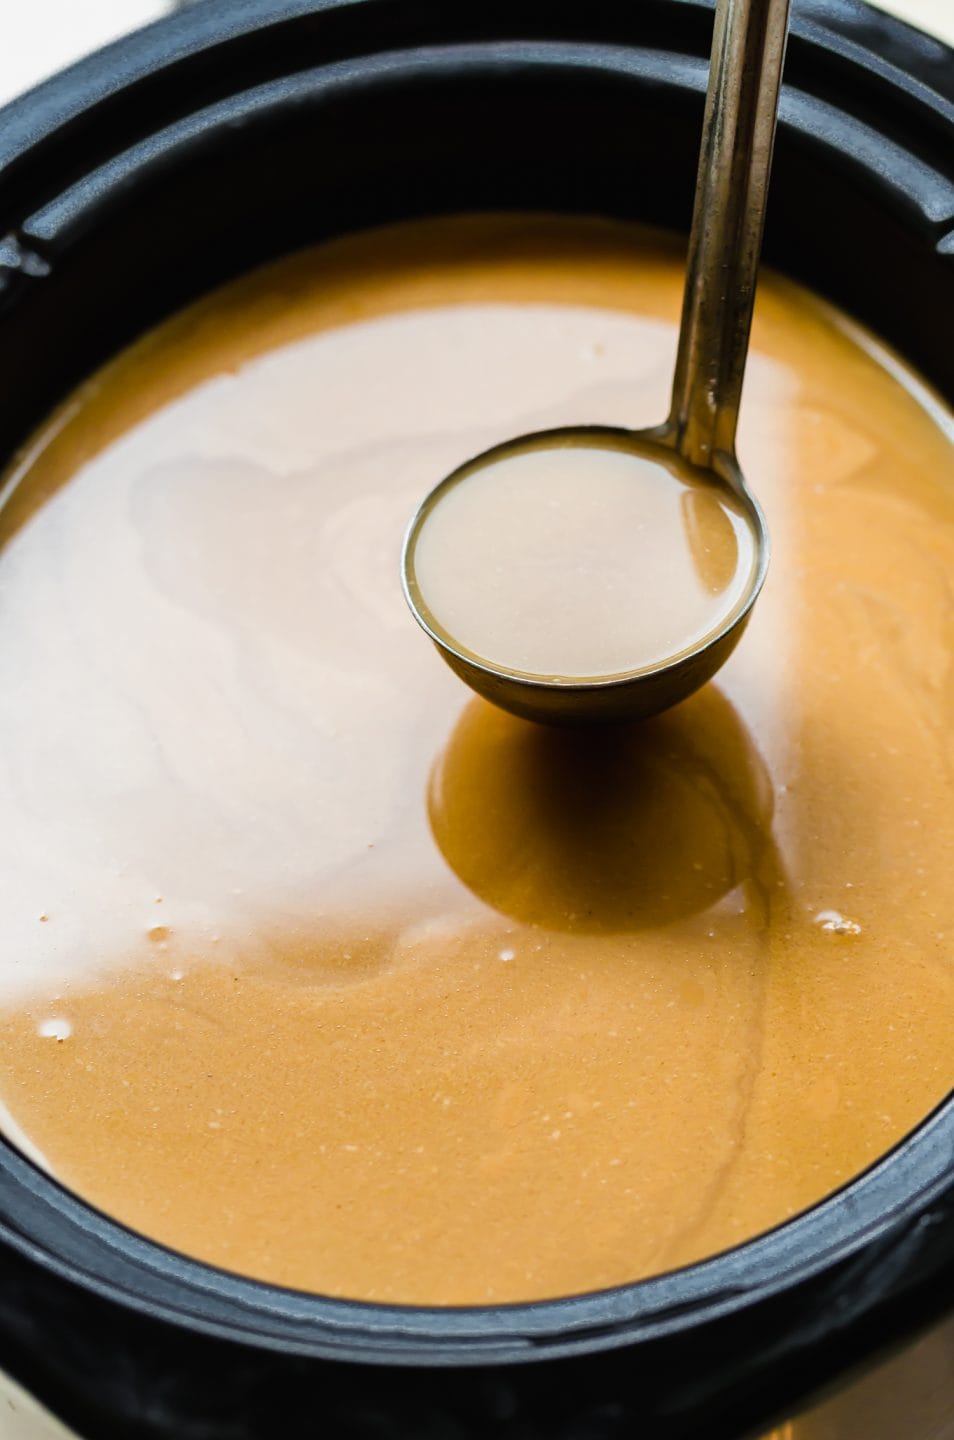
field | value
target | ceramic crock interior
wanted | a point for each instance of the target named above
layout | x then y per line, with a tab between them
216	141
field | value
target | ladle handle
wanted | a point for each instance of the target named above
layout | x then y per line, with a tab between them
745	73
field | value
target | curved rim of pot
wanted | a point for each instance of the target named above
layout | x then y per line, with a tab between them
68	127
886	1235
888	1230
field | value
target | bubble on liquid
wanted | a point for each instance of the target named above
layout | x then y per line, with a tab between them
836	923
507	955
55	1028
176	974
158	933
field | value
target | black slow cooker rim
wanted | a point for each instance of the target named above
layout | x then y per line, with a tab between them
57	139
822	1255
71	147
881	1241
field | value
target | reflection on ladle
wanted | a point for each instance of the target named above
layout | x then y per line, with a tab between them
712	540
656	823
562	610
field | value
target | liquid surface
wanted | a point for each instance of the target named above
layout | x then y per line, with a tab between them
582	561
319	969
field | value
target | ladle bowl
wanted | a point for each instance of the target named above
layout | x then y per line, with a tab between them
735	157
633	695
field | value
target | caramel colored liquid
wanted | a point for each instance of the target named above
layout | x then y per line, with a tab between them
583	561
319	969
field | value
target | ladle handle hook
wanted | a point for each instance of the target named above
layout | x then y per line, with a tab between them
748	50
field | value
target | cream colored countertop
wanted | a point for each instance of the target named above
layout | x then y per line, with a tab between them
935	16
41	36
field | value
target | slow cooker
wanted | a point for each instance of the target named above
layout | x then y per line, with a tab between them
239	130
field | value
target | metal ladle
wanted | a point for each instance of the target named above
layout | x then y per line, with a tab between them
748	49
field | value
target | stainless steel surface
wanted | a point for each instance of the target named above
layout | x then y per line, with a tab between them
627	697
738	134
745	73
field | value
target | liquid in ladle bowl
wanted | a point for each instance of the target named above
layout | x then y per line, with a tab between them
581	559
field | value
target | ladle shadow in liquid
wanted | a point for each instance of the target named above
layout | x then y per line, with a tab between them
607	832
